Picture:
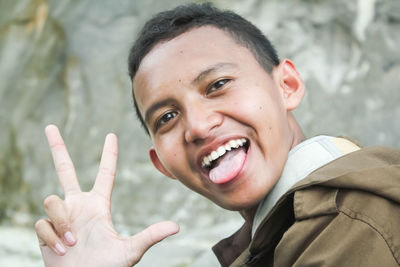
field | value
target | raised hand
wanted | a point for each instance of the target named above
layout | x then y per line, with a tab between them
79	229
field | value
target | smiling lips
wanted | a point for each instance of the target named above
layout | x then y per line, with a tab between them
214	155
224	169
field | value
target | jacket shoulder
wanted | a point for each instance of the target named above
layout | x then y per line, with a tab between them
350	219
345	228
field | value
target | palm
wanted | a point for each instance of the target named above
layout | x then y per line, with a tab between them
88	213
91	223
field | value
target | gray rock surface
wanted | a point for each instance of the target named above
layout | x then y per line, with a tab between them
64	62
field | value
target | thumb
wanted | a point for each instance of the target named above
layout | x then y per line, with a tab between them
141	242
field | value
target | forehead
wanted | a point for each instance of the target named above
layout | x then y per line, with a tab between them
182	58
206	40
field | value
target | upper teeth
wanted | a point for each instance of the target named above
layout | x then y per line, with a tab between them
220	151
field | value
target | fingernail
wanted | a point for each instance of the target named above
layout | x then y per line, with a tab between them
69	238
60	249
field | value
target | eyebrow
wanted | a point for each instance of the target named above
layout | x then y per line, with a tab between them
200	77
212	69
149	112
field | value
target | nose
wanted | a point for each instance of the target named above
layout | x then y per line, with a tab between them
200	121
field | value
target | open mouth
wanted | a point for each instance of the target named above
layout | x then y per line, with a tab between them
224	163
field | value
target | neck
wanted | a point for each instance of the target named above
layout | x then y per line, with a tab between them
297	138
298	135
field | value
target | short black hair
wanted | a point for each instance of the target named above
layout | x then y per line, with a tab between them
169	24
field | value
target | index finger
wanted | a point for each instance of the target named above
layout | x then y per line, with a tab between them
64	167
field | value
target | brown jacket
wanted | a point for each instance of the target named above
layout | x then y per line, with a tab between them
346	213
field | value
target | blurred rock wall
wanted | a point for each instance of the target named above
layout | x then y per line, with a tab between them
64	62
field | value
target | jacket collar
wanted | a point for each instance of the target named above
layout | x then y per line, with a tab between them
325	149
302	160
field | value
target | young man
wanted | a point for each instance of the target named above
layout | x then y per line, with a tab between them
216	102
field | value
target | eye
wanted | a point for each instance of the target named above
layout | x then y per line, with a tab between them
165	118
217	85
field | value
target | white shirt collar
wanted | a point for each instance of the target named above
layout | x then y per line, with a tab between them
302	160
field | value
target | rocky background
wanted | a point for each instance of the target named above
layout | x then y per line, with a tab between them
64	62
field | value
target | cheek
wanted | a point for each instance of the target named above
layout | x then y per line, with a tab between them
169	152
262	113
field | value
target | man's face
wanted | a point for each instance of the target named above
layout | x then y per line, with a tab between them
202	92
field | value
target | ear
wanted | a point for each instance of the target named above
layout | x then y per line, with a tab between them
158	164
291	84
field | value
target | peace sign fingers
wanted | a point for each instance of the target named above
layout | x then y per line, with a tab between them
64	167
107	168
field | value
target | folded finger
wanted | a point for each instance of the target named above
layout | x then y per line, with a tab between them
62	161
57	213
47	237
108	167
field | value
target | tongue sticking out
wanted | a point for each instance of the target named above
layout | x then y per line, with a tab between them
228	167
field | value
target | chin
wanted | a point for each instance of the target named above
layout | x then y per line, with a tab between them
240	204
